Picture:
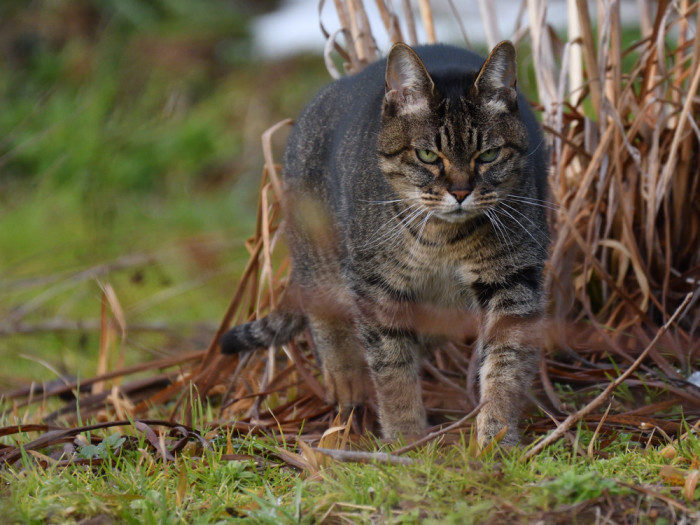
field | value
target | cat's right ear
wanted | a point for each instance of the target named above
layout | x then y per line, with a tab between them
409	87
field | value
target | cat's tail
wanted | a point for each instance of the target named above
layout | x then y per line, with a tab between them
276	328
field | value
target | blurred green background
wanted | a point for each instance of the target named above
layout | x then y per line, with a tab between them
130	155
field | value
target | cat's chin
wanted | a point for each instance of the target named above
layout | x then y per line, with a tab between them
457	215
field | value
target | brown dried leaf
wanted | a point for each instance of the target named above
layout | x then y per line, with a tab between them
312	459
691	482
669	452
296	460
672	475
155	441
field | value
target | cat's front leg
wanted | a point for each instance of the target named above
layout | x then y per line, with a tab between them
510	339
509	349
393	356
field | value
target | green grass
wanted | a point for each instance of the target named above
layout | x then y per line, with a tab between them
444	485
196	246
132	488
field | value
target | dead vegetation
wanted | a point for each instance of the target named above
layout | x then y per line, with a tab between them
625	262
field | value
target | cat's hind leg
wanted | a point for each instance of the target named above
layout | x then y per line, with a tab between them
342	361
394	357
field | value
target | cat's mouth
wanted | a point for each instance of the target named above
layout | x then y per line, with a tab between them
458	214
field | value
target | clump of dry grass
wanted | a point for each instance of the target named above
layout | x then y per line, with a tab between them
625	213
626	180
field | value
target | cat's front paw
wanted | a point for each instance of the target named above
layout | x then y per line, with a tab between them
490	427
408	430
407	422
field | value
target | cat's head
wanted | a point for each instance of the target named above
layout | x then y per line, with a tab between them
455	143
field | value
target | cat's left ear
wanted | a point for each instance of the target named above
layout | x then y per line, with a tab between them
409	87
497	78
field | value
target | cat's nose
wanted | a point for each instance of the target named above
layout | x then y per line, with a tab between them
460	195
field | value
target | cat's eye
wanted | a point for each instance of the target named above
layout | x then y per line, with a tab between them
427	156
489	155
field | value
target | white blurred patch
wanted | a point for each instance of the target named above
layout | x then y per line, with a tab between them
294	28
694	378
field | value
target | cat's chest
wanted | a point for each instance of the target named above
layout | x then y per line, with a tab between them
442	283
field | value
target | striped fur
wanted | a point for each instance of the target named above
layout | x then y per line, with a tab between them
415	194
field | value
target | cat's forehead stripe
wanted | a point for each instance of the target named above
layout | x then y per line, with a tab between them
457	132
472	138
445	138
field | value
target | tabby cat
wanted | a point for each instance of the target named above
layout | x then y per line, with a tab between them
414	194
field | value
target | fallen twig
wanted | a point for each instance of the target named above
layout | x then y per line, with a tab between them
55	435
84	383
653	494
355	456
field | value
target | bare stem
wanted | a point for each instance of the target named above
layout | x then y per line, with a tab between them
363	457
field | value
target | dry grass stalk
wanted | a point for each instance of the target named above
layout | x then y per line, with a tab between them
390	21
426	15
410	22
488	15
436	434
624	229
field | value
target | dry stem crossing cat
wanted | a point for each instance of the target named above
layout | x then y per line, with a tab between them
414	193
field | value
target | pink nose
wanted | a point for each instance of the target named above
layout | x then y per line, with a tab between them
460	195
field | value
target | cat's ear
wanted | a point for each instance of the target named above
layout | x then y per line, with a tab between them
497	78
409	87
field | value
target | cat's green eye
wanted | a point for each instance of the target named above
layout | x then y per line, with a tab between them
427	156
489	155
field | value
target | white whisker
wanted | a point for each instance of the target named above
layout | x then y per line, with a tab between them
420	231
532	202
402	219
497	210
536	147
387	201
501	234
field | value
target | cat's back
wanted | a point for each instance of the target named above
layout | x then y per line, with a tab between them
346	104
